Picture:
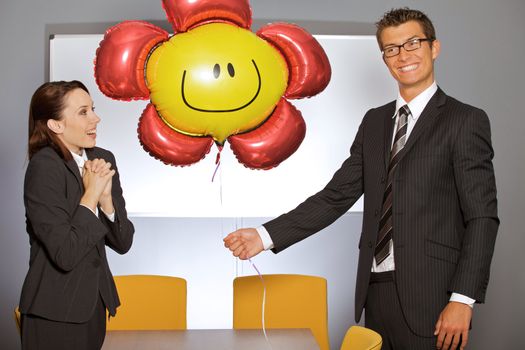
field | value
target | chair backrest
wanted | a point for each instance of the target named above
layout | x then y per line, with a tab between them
361	338
292	301
16	315
150	302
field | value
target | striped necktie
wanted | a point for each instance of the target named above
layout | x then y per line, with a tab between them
385	224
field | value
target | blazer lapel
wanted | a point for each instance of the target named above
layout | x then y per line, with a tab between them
388	130
427	117
73	167
90	154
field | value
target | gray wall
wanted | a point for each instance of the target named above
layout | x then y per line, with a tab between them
480	63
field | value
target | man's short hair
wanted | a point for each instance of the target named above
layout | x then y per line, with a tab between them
396	17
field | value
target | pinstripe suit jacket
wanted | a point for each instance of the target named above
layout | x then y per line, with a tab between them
444	206
68	268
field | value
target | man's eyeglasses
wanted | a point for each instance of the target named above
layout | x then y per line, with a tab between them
411	45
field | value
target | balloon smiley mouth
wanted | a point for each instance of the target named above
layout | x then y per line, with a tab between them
222	110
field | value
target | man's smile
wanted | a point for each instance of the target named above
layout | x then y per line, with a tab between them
408	68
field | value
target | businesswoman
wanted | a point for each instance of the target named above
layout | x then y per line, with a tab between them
74	208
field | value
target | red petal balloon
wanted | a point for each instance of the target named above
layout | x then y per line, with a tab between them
184	14
272	142
168	145
121	56
309	67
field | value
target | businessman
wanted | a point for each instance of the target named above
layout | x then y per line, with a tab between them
424	165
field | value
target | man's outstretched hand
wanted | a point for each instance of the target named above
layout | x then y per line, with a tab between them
244	243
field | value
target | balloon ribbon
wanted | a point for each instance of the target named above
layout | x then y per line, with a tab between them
263	302
217	161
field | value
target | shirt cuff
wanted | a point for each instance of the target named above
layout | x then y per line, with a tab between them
265	237
460	298
111	217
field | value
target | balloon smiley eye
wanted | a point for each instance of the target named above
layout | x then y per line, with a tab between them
231	71
217	70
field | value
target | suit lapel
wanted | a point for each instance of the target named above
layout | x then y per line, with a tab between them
388	134
91	154
73	168
427	118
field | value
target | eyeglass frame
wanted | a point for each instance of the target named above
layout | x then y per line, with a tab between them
414	40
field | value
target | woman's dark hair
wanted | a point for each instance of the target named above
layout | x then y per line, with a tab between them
48	102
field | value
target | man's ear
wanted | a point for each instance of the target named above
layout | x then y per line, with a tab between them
55	126
436	48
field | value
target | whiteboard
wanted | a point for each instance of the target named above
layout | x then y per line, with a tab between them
360	81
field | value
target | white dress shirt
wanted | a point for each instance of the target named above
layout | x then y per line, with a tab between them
416	106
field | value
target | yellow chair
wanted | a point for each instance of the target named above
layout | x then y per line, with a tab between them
150	302
361	338
16	315
292	301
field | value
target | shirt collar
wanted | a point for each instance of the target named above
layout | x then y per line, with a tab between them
418	104
79	159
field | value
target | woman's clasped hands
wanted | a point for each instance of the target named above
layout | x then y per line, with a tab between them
96	176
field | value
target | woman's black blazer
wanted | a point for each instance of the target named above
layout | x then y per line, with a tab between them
68	268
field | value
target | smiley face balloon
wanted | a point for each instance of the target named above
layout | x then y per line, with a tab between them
214	81
209	80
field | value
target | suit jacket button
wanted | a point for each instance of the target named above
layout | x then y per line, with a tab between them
376	212
383	180
369	244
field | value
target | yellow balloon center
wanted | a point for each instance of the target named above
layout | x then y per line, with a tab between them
215	80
